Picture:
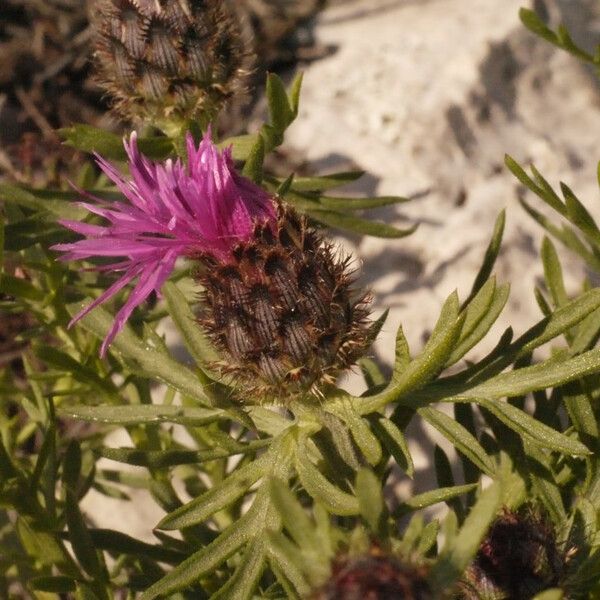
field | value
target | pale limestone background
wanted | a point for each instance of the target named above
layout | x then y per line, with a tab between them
427	96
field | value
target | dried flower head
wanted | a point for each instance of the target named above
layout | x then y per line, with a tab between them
375	576
518	559
278	301
169	59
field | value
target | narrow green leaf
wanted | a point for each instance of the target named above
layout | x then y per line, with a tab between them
580	411
56	203
72	466
294	93
321	489
168	458
63	361
361	433
587	334
370	500
530	19
288	563
280	112
459	551
540	186
563	319
481	314
335	433
578	214
402	354
109	145
374	377
532	429
45	548
543	483
428	537
553	273
433	497
240	145
247	573
206	559
546	192
460	438
394	441
196	342
344	203
544	375
567	43
566	235
425	366
1	243
268	420
293	516
284	187
325	182
347	222
138	414
81	540
542	302
218	497
253	168
490	256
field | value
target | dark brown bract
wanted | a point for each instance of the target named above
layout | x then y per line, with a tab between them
283	310
166	59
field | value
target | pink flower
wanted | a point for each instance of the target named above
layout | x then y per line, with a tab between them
169	210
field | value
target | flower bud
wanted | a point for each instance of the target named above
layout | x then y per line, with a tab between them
518	559
169	59
374	577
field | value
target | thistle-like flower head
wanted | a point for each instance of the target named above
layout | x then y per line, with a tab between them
278	300
169	210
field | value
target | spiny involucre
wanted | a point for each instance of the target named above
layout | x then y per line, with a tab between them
278	300
169	60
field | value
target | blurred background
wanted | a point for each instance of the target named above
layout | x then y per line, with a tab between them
426	96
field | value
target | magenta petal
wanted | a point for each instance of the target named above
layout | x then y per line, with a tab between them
84	228
168	210
152	278
106	295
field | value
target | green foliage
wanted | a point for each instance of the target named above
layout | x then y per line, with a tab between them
258	501
559	38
